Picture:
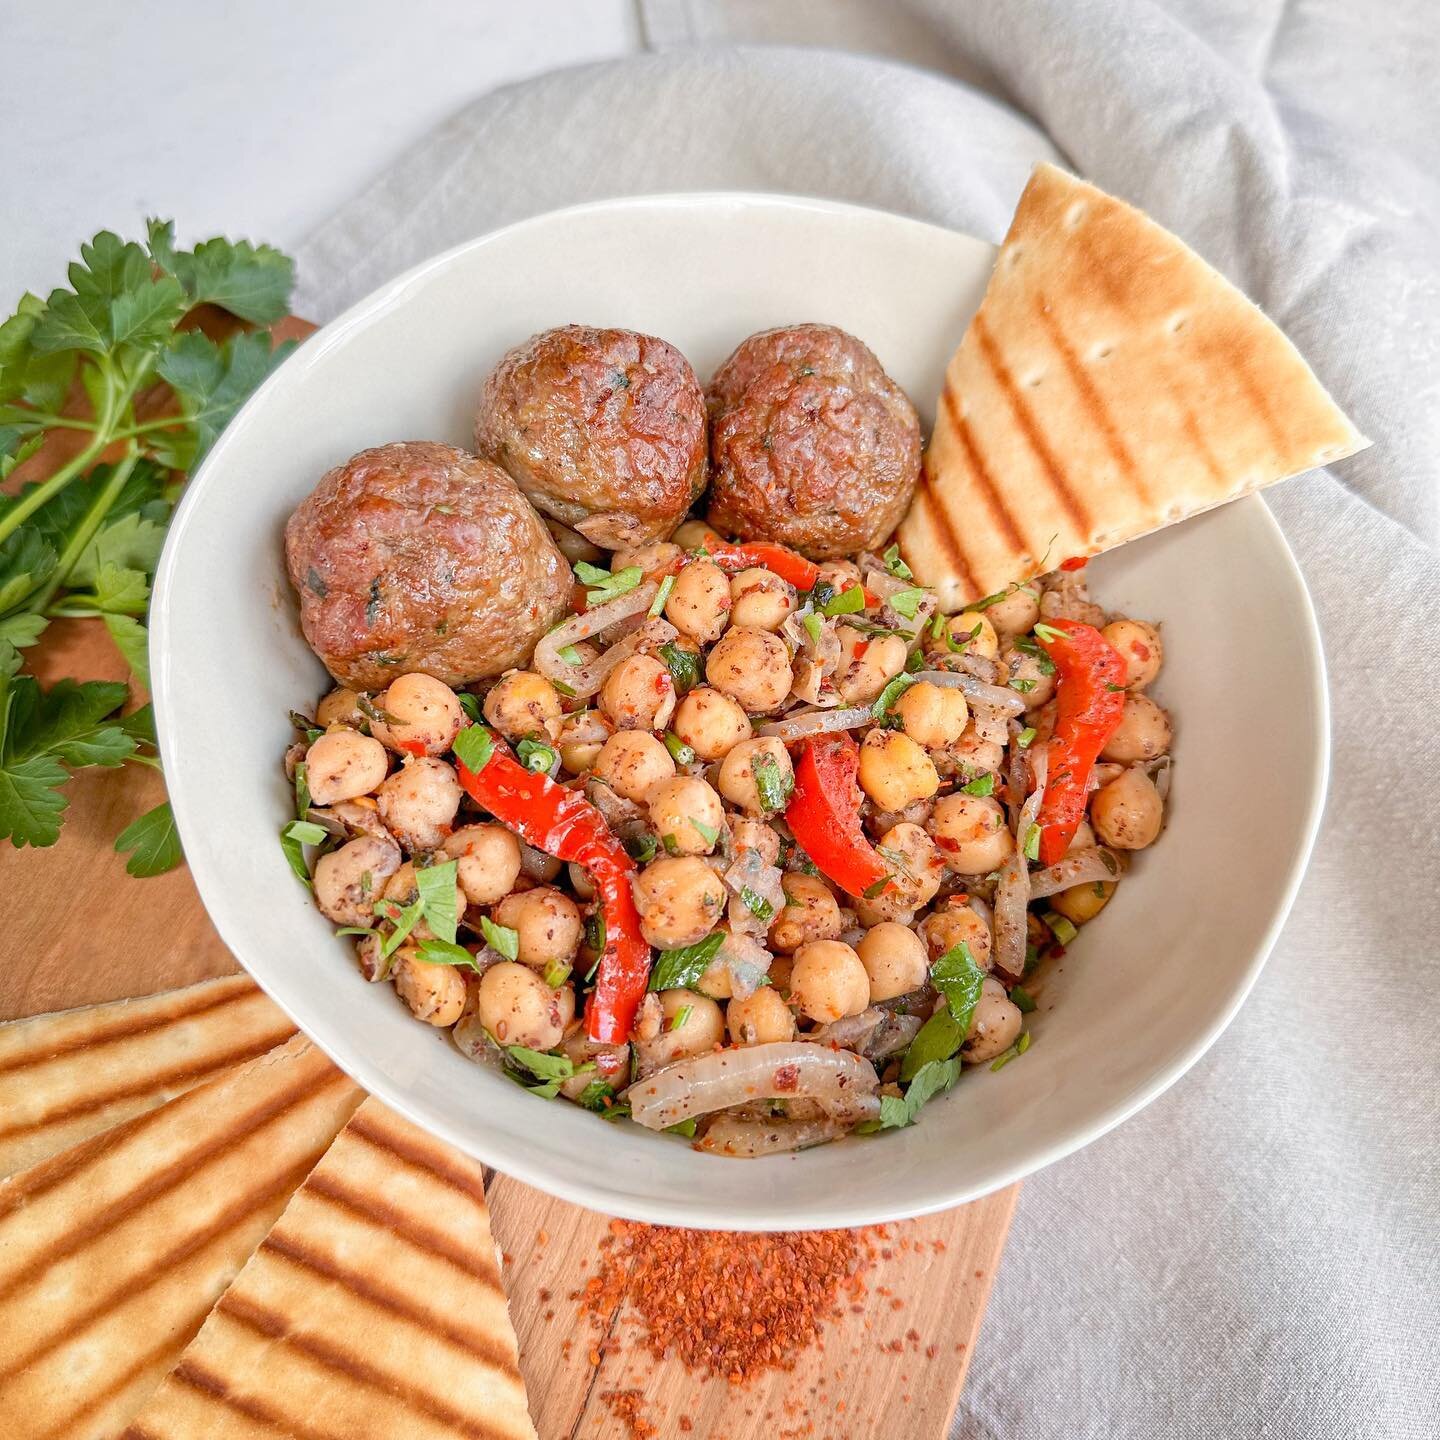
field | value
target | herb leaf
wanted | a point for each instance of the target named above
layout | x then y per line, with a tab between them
473	747
500	937
680	969
772	785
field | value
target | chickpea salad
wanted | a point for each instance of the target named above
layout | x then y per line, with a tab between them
755	848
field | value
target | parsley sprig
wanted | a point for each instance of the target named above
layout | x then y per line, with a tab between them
88	363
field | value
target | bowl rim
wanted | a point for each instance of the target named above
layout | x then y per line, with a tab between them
392	293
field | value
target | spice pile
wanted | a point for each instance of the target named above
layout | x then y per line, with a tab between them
728	1305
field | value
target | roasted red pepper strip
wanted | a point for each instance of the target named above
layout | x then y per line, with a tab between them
563	823
1089	700
762	555
824	815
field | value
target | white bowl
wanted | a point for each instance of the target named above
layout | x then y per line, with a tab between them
1150	985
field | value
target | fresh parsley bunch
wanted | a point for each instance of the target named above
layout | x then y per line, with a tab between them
116	361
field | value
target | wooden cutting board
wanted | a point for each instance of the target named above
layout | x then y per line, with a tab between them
83	931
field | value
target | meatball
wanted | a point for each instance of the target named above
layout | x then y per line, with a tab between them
417	557
811	443
603	429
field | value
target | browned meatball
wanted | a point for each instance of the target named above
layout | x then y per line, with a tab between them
418	556
811	443
603	429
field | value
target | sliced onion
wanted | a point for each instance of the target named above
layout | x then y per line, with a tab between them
818	722
749	871
991	722
1081	867
1005	701
1012	890
585	680
1158	770
747	960
894	1034
982	667
842	1082
742	1137
850	1032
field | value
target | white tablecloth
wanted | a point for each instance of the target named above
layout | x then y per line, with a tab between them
1256	1253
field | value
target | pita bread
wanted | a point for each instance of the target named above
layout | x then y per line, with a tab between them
68	1076
372	1310
1111	383
113	1252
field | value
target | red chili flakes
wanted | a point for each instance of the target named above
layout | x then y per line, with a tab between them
787	1078
1075	562
628	1407
861	646
728	1305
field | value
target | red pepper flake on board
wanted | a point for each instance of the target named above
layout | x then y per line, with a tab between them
1075	562
730	1305
628	1408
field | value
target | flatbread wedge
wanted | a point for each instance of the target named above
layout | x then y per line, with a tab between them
372	1310
113	1252
1111	383
67	1076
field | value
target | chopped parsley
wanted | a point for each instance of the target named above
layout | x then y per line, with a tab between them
708	833
895	565
906	602
982	787
470	705
889	695
772	785
811	621
935	1077
570	655
683	665
641	848
680	969
444	952
473	747
847	602
500	937
757	905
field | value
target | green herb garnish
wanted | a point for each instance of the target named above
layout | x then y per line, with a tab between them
847	602
757	905
680	969
444	952
570	655
683	665
933	1078
680	752
536	756
470	705
473	747
1032	843
1025	738
1060	927
1050	633
811	621
983	786
906	602
889	695
657	605
607	586
641	848
708	833
895	565
773	785
500	937
1022	999
680	1017
555	974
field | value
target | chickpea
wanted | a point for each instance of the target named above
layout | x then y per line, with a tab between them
752	667
349	881
487	861
711	723
917	812
760	1019
548	925
1127	812
944	929
344	765
840	575
994	1025
680	898
339	707
1139	646
536	865
518	1008
760	599
424	715
780	968
403	889
828	981
894	770
811	913
866	665
434	993
1030	676
695	535
894	904
748	834
611	1063
580	739
701	1026
1082	903
916	866
1017	613
933	715
971	756
654	559
972	833
1143	732
523	703
633	763
687	814
418	803
737	774
699	603
716	981
895	959
638	694
970	631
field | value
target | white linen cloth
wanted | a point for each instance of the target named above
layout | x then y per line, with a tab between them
1257	1253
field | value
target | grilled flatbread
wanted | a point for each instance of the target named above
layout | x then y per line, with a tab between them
113	1252
68	1076
373	1310
1111	383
